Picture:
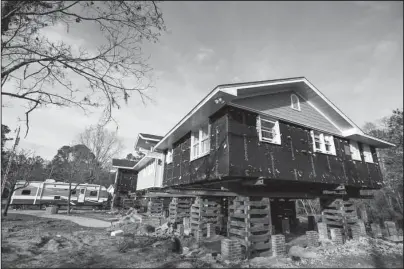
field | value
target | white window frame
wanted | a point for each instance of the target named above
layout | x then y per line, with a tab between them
169	157
276	139
355	152
198	132
323	139
293	103
367	153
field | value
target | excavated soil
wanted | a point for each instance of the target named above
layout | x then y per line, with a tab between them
29	241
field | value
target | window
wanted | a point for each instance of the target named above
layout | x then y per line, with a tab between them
355	153
26	192
367	154
82	191
169	157
56	197
73	192
323	143
200	142
295	103
268	131
93	193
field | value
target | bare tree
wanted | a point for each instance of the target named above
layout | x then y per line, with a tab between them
20	173
104	144
42	71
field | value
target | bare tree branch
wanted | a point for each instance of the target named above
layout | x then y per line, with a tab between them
54	72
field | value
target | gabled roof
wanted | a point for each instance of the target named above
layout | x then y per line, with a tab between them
150	137
123	163
148	140
224	95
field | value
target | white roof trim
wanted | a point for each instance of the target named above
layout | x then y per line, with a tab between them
321	113
331	104
378	139
233	90
145	138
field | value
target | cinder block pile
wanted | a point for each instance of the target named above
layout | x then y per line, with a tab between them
278	245
231	249
312	239
337	236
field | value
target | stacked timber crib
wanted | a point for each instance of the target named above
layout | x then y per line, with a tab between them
155	206
340	214
250	222
179	208
203	212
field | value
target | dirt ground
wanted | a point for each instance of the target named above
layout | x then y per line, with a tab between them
29	241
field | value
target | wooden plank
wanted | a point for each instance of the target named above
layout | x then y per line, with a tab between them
261	220
240	216
238	232
260	237
261	246
237	223
258	211
330	222
259	229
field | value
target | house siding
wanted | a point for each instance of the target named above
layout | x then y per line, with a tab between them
150	176
294	159
279	105
210	167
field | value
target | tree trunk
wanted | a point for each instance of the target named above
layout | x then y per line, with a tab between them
68	200
8	200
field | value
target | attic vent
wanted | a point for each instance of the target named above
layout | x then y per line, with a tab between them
295	103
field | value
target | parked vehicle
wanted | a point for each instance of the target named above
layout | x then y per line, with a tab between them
51	192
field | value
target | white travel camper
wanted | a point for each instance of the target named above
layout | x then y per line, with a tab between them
50	192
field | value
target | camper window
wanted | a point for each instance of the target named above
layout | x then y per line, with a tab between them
82	191
73	191
93	193
26	192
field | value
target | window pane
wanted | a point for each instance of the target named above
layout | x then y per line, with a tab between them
268	134
196	150
205	131
267	124
196	137
205	146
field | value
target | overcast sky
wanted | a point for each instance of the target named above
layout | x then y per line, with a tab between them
351	51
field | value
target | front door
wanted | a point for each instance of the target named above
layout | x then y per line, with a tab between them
82	195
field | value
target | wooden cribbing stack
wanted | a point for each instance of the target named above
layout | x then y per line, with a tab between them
204	211
250	222
155	207
179	208
339	214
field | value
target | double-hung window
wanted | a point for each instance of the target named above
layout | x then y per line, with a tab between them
169	157
268	130
367	154
323	143
200	142
355	153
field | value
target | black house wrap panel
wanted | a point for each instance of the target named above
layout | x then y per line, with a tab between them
236	152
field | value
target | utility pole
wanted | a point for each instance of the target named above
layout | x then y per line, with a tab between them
10	160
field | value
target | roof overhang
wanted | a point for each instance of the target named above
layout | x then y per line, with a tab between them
145	160
224	94
358	135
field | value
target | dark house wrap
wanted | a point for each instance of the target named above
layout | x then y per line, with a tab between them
237	153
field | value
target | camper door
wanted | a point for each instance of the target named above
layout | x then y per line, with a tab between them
82	195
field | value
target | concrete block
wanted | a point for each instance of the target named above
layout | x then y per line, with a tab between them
322	231
211	230
376	230
278	245
116	233
312	239
336	236
391	228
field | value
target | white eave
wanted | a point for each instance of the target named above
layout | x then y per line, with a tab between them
225	94
358	135
144	161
